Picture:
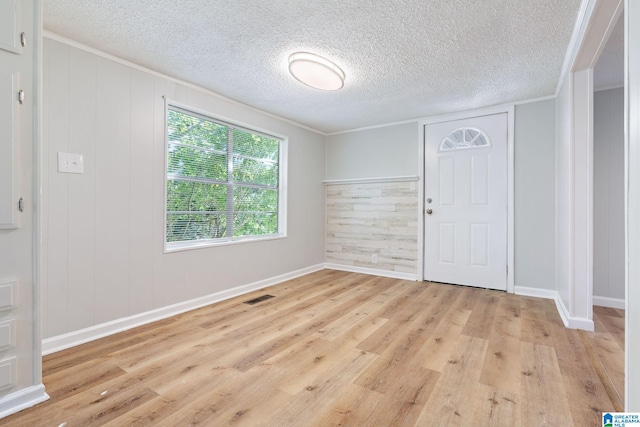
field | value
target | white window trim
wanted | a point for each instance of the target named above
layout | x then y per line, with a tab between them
170	247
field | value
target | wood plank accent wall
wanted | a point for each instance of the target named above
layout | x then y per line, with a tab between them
366	219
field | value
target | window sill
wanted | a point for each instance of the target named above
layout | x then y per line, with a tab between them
202	244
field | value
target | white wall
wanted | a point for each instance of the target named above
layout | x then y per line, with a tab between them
380	152
563	189
608	215
104	234
534	170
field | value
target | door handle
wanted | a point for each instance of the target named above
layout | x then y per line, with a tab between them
429	211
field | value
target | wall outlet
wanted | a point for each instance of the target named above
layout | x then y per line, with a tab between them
70	163
374	258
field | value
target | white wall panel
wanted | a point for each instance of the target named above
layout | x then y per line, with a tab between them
616	208
141	195
379	152
105	232
160	276
56	102
608	227
44	200
81	196
113	205
535	137
563	190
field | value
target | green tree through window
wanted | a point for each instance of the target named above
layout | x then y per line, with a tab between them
222	180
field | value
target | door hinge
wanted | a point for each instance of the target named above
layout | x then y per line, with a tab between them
21	96
507	269
23	39
21	204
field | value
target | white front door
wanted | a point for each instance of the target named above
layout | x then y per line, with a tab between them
466	202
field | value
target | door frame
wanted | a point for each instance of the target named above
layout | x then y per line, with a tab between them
509	109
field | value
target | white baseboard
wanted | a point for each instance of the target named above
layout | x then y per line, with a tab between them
372	271
535	292
72	339
567	319
573	322
23	399
609	302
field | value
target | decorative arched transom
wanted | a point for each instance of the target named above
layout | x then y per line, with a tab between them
464	138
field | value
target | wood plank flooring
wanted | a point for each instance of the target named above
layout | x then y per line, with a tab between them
605	347
344	349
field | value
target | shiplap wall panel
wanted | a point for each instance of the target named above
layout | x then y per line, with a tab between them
113	170
141	195
373	219
82	199
58	183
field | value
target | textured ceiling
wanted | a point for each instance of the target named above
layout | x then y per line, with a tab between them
404	59
609	70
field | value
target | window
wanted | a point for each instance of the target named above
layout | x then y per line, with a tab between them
463	138
223	182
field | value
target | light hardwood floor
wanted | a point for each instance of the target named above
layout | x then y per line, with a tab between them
344	349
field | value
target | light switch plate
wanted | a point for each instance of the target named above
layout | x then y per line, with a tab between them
70	163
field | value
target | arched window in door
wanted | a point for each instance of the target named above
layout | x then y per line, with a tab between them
464	138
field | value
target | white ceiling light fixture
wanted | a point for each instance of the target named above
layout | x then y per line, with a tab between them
316	71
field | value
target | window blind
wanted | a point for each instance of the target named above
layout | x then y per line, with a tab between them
222	180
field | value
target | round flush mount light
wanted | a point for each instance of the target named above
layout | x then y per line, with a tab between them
316	71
